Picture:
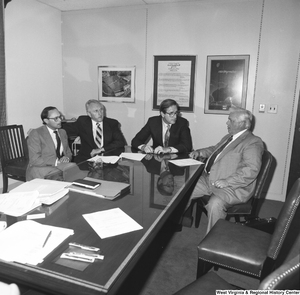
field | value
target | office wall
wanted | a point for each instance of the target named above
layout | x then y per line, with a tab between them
33	61
266	30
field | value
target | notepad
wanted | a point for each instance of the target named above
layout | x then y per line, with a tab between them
86	183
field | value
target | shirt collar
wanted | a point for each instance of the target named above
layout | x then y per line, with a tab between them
235	136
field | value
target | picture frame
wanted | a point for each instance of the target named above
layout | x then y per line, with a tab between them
116	84
226	83
174	78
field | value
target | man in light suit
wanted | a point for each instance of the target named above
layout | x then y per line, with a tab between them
232	176
46	155
86	128
179	139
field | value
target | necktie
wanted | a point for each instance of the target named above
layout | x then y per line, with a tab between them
58	141
167	136
212	158
98	138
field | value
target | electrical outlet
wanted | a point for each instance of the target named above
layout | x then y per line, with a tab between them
273	108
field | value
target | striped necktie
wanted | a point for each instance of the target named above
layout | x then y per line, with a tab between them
167	136
212	158
58	144
98	138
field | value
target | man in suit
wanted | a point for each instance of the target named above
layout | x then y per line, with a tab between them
48	147
231	169
98	134
170	133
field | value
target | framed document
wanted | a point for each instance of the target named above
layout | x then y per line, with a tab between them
226	83
174	78
116	84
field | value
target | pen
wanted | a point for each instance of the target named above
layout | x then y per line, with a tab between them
84	247
47	238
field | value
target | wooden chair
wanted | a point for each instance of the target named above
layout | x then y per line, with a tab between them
244	249
13	154
248	210
286	277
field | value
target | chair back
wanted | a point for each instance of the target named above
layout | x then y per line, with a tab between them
286	277
284	220
261	178
13	146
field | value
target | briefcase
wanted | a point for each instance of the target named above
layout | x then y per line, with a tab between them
264	224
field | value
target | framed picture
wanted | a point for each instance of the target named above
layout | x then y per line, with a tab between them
116	84
226	83
174	77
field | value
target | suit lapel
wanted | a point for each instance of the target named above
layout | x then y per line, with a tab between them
233	144
48	138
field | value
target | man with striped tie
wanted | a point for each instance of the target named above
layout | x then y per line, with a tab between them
98	134
170	133
48	147
231	168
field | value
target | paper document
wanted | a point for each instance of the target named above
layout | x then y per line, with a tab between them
185	162
105	159
49	191
133	156
113	222
17	204
30	242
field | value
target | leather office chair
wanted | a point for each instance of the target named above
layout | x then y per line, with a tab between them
248	210
286	277
13	153
244	249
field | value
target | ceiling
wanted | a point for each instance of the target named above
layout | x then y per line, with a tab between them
67	5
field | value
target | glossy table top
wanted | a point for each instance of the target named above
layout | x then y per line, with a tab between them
148	203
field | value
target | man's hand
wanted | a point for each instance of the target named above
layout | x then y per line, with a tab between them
195	154
147	149
63	159
221	183
95	152
162	150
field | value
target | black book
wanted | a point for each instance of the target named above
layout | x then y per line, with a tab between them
86	183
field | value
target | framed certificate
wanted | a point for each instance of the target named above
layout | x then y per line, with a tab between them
174	78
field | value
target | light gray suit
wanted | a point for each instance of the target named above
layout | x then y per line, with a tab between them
238	164
42	154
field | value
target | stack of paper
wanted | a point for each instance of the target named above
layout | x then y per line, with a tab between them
49	191
30	242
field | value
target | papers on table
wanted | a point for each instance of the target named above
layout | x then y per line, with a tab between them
17	204
133	156
185	162
30	242
105	159
49	191
113	222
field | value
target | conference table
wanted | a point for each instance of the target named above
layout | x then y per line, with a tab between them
146	202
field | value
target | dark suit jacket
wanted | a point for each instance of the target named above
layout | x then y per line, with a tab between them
180	135
113	137
42	154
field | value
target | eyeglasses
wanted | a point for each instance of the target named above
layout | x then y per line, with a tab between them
172	114
55	119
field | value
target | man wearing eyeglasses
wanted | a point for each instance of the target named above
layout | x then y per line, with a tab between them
48	146
170	133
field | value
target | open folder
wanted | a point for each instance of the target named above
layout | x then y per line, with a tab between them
107	189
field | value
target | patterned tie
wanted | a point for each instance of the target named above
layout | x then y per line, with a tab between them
167	136
98	138
58	141
212	158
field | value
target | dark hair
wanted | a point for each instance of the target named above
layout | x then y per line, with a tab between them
45	113
165	104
